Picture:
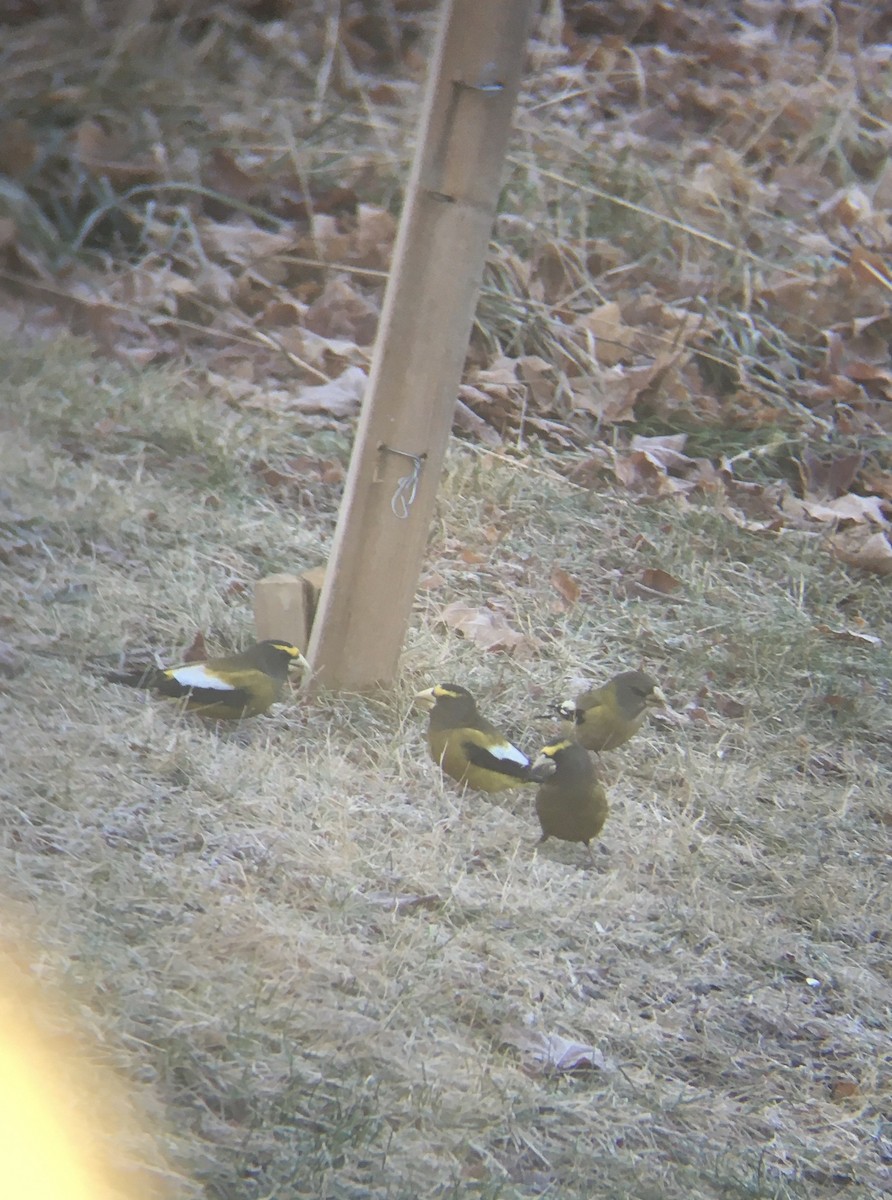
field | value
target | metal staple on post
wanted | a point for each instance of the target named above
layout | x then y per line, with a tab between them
407	485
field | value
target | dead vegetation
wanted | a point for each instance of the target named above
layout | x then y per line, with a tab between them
318	969
691	246
336	976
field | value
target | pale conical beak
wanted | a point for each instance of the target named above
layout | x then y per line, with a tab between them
542	768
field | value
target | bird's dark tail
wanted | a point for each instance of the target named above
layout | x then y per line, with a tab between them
136	677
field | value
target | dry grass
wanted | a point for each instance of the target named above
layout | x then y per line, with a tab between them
310	959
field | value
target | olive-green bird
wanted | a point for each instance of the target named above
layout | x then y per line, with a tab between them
608	716
226	688
466	746
571	802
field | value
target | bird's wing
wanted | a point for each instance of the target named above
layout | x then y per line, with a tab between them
495	754
193	675
203	686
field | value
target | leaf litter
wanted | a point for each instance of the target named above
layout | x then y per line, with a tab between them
198	250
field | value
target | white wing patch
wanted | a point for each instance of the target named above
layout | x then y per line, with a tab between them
505	750
194	675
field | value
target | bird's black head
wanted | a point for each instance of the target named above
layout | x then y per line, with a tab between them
565	759
275	656
638	689
449	703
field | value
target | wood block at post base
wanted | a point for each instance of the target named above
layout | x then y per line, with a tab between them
313	581
285	606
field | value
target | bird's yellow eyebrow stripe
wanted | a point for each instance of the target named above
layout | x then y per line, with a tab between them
555	746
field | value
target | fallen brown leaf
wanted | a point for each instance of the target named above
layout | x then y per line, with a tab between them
845	508
241	241
222	174
111	155
637	589
850	206
638	472
666	452
488	629
696	712
843	1089
836	702
828	478
565	585
374	237
430	582
874	479
869	267
198	651
466	420
872	553
611	340
540	378
659	580
610	399
18	148
849	635
342	311
341	397
547	1052
727	706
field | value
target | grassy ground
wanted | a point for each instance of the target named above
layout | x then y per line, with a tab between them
308	967
319	970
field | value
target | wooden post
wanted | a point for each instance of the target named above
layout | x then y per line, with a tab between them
421	344
285	606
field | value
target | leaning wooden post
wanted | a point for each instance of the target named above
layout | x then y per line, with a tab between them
421	345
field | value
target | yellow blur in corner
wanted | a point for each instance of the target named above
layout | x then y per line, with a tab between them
39	1153
60	1114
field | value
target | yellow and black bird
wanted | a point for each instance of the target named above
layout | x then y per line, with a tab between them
571	802
466	746
608	716
226	688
